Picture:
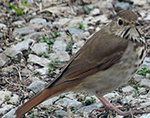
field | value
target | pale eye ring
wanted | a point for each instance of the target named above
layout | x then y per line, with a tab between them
120	22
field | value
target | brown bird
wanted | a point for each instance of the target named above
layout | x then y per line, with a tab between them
106	61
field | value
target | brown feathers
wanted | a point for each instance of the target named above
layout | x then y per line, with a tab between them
101	52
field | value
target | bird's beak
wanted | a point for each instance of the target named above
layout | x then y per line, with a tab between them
136	23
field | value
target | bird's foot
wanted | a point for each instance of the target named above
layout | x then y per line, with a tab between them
109	106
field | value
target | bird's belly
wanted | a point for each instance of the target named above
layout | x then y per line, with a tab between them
116	75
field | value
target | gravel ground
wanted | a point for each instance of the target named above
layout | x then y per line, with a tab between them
38	37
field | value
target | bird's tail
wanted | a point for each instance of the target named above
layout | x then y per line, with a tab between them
40	97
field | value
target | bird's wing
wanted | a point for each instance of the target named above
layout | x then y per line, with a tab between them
99	53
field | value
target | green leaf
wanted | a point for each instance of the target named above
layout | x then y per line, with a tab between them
19	11
25	4
143	71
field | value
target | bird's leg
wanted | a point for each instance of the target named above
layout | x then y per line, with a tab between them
109	106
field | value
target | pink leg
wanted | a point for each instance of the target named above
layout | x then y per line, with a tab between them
109	106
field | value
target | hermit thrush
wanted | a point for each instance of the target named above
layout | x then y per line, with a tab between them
106	61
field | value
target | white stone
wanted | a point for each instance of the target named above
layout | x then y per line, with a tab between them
65	102
24	45
145	82
59	46
40	48
128	89
95	11
37	20
38	60
10	114
4	95
5	108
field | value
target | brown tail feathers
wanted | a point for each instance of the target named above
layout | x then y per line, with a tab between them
43	95
37	99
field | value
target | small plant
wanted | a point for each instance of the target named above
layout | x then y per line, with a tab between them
46	55
73	110
13	103
7	98
50	70
143	71
48	111
69	48
47	40
70	44
136	93
137	86
55	34
14	58
61	96
86	9
89	101
19	11
54	63
22	39
25	4
81	26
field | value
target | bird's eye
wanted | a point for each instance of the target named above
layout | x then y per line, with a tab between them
120	22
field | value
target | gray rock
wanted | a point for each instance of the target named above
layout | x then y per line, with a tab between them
146	61
65	102
37	21
8	69
38	60
145	82
3	26
12	51
40	48
111	95
3	59
19	22
4	95
14	98
61	37
42	71
10	114
63	21
124	101
57	25
90	108
5	108
128	99
47	24
128	89
23	31
35	35
122	5
148	17
102	18
75	31
59	46
49	102
140	2
60	113
142	90
138	78
77	46
37	86
63	56
145	104
145	116
25	72
95	12
24	45
75	21
1	35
